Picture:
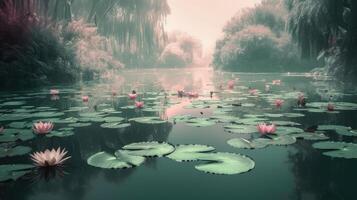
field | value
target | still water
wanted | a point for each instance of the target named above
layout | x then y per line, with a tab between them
296	171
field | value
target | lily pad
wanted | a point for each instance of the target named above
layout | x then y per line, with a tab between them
242	143
225	163
149	149
148	120
16	151
241	129
311	136
342	149
78	125
13	172
115	125
113	119
120	160
189	152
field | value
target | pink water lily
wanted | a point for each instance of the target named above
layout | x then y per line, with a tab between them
279	103
49	158
139	104
42	128
132	96
276	82
330	107
231	84
265	129
54	92
2	129
253	92
192	94
85	98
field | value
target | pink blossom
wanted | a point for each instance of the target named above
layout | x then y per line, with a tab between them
132	96
139	104
54	92
49	158
85	98
276	82
231	84
42	128
278	103
253	92
265	129
2	129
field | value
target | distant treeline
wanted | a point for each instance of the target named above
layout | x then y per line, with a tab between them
255	40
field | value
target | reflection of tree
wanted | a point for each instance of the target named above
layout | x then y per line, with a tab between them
320	177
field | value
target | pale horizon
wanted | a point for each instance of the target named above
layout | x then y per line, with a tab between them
204	19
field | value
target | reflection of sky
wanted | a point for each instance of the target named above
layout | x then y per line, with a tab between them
204	19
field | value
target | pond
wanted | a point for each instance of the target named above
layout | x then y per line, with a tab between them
202	145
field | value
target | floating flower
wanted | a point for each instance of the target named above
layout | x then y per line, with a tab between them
192	94
2	129
253	92
55	97
139	104
265	129
49	158
85	98
42	128
330	107
231	84
132	96
54	92
276	82
278	103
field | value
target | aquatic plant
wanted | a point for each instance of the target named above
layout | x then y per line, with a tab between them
49	158
2	129
139	104
54	92
85	98
42	128
278	103
132	96
266	129
330	107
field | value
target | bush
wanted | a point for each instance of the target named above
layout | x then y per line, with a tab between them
256	41
181	50
30	54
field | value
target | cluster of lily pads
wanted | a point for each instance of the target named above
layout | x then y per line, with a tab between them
272	126
135	154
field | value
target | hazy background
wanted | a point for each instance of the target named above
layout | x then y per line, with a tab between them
204	19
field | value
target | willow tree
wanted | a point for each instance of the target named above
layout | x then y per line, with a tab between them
135	26
326	29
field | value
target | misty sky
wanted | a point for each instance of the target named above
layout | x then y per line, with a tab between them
204	19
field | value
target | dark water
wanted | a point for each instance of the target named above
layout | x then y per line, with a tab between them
296	171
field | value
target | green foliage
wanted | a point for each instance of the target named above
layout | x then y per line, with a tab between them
255	41
31	55
326	29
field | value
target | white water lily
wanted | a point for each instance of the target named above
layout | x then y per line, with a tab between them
49	158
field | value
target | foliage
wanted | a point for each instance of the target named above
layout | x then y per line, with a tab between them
92	51
255	40
326	29
30	54
181	50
